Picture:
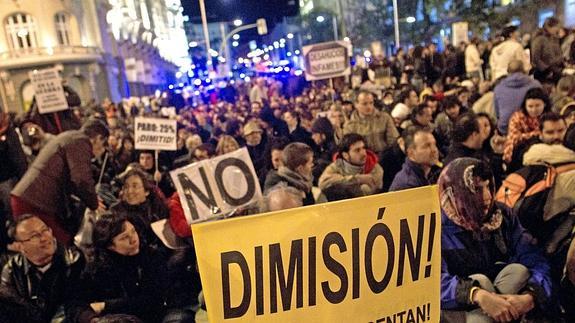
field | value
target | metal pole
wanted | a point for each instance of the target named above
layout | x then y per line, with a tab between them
396	24
334	22
342	19
206	35
225	52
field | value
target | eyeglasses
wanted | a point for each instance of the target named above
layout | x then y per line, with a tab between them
37	236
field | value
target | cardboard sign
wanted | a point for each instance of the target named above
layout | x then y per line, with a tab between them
48	90
217	186
460	32
371	259
326	60
155	134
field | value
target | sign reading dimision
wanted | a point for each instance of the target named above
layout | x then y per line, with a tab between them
48	90
326	60
155	134
372	259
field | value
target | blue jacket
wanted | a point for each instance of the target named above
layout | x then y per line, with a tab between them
412	176
463	255
508	96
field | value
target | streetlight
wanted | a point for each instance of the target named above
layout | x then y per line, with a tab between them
320	19
238	22
410	20
193	44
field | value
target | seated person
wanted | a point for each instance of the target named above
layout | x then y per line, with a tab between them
355	170
143	204
491	269
36	282
125	276
420	167
281	197
296	171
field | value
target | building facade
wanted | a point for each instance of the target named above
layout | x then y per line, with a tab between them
103	48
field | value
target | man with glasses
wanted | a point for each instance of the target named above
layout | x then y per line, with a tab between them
37	282
62	170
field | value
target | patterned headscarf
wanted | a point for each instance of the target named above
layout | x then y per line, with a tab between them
462	198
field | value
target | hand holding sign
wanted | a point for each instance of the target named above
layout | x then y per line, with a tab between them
217	186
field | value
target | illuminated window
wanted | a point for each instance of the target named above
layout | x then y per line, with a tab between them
21	31
62	22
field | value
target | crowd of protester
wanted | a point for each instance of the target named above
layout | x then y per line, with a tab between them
79	200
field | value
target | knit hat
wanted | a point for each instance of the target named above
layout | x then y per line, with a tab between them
323	126
251	127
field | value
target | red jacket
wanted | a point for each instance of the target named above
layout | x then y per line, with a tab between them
177	218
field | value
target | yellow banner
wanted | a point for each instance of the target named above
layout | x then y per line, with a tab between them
372	259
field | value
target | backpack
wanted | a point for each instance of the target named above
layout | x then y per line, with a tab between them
526	192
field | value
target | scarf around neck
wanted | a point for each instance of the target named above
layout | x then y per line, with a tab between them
295	179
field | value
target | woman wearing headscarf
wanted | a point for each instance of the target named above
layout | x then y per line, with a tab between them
491	269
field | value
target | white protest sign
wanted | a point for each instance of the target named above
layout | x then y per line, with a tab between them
460	32
211	188
48	90
326	60
155	134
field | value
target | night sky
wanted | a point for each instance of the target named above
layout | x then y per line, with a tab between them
247	10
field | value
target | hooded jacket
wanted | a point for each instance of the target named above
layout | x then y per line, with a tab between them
504	53
338	173
509	95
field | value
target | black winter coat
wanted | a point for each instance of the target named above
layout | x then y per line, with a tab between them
130	285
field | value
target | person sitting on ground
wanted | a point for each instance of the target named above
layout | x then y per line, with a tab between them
256	142
524	125
377	127
564	92
355	171
142	203
296	171
281	197
297	133
466	139
421	116
39	279
226	144
391	160
491	269
509	92
420	167
125	276
324	148
445	121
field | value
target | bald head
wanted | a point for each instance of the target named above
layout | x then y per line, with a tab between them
282	197
515	66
